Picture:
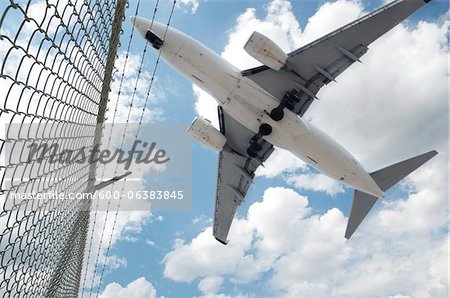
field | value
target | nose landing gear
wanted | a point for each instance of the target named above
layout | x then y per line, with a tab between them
155	41
252	150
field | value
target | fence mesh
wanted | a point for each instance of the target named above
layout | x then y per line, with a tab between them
56	59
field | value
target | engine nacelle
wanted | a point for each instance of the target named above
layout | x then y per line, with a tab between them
266	51
206	134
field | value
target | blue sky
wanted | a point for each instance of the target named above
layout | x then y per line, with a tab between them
288	239
213	23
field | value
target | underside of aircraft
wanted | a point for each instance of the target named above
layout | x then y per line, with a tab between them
263	107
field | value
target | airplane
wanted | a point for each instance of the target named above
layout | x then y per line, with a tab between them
263	107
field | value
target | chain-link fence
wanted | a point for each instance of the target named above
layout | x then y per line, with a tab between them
57	59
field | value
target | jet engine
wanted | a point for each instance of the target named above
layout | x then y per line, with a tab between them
266	51
206	134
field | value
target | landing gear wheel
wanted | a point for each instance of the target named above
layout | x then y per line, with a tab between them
253	150
251	153
255	147
265	129
277	114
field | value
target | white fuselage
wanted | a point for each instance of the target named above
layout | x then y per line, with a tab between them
249	104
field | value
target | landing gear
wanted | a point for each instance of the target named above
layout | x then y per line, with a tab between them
251	152
290	100
255	142
255	146
265	129
277	114
154	39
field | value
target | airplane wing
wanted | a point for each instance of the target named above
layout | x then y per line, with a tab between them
320	62
235	172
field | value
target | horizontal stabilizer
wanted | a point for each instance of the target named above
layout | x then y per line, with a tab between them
362	203
385	178
388	177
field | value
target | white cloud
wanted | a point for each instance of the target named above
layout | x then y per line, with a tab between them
199	258
325	21
316	182
299	250
280	209
150	242
392	106
206	106
129	67
281	161
115	262
43	13
201	220
140	288
425	206
210	284
127	223
188	5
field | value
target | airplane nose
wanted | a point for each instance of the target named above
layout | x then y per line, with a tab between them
140	24
159	35
151	31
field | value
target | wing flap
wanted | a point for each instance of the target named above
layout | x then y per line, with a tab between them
239	136
231	189
235	173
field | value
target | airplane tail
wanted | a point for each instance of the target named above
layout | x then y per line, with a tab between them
385	178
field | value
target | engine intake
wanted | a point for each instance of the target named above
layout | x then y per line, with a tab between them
206	134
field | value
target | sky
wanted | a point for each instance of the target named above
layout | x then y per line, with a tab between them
287	239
